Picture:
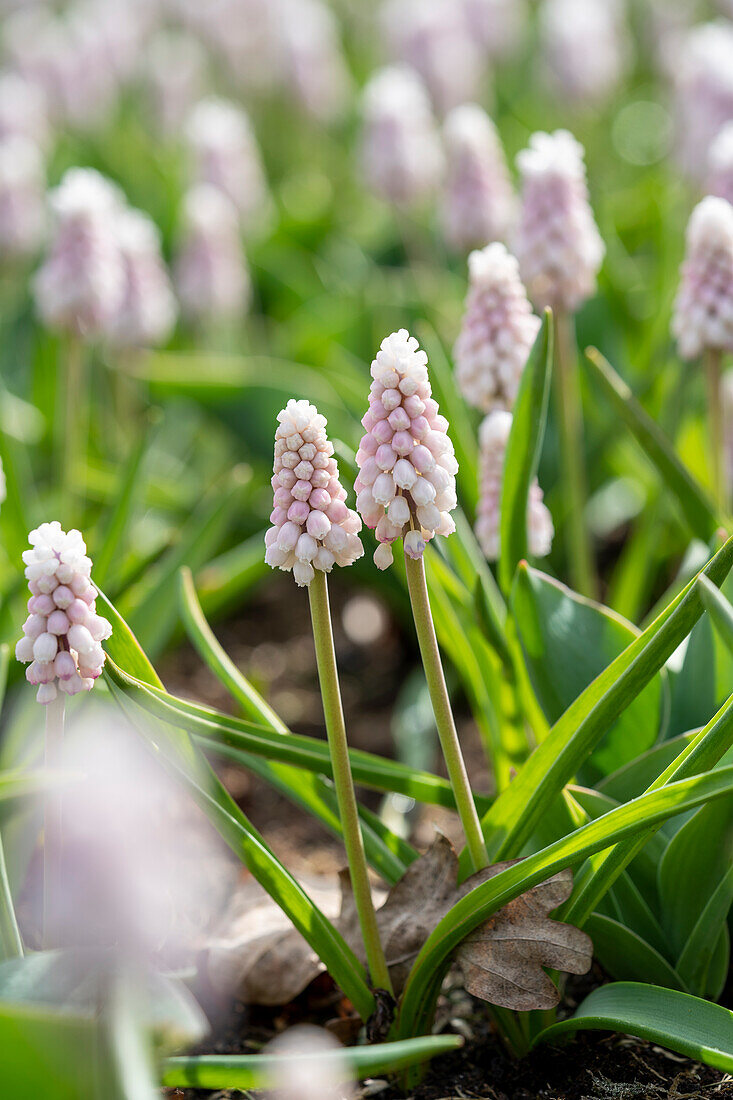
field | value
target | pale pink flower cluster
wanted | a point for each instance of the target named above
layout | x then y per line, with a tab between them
497	333
703	80
558	245
173	75
720	164
406	486
22	110
62	635
80	286
585	47
22	196
211	274
312	60
401	155
479	205
147	312
493	440
226	156
312	527
498	25
243	34
703	311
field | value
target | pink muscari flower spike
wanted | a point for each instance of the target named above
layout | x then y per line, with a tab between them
585	48
702	78
210	270
22	197
148	310
720	164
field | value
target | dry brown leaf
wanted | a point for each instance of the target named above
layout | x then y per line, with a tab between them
501	960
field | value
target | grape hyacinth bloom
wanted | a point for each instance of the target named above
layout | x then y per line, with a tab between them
22	109
312	527
406	487
312	58
497	333
62	635
585	48
226	155
80	286
148	311
493	440
22	197
173	75
402	159
703	312
720	164
479	205
211	273
703	82
558	245
498	25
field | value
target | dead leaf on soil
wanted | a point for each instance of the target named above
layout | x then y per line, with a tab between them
265	961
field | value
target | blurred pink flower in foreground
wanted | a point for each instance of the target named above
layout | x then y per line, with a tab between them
312	528
499	25
493	440
497	333
585	47
210	271
148	310
312	60
401	155
720	164
406	487
558	245
703	310
22	110
703	83
173	73
22	197
479	205
309	1066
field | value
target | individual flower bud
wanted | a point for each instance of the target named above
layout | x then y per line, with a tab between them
314	530
403	417
498	25
226	156
210	271
148	311
558	245
22	197
720	164
703	85
585	47
60	642
312	58
81	284
401	155
703	310
493	440
174	76
479	203
497	333
434	38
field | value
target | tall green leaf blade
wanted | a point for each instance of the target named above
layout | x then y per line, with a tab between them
719	609
690	1026
696	961
626	956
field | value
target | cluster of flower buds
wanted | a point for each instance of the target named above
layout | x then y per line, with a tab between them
226	155
703	311
211	274
558	245
585	48
497	333
62	635
80	286
402	159
720	164
406	486
493	440
22	197
703	81
148	310
479	204
312	527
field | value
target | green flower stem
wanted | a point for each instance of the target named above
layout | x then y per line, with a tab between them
572	457
420	601
713	374
336	730
11	943
52	828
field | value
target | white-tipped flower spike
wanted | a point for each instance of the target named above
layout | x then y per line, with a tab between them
226	155
479	205
433	37
558	245
498	25
585	47
173	74
22	110
406	486
62	635
211	274
720	164
148	311
402	159
703	311
22	197
497	333
80	286
493	439
312	58
312	528
703	79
